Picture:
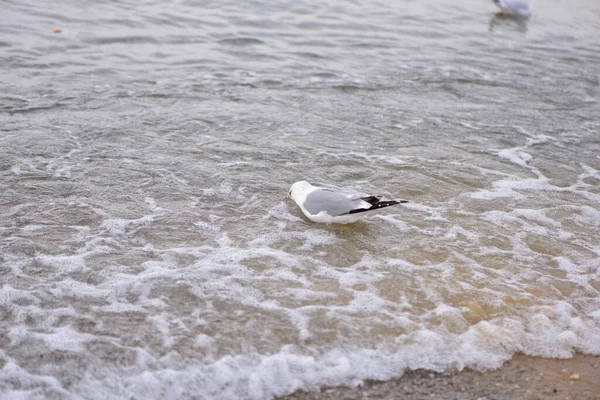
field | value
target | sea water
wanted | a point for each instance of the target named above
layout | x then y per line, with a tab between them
148	248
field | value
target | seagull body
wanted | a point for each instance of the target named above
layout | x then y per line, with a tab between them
514	7
333	205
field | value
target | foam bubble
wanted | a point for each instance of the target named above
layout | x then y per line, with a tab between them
64	339
33	228
400	225
258	306
63	263
119	226
281	211
516	155
435	213
381	158
456	232
10	297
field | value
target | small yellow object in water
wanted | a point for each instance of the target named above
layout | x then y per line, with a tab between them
57	30
574	377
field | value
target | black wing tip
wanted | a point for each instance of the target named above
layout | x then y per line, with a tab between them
382	204
390	203
371	199
374	200
377	205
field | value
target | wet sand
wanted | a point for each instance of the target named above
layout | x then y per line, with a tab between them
523	377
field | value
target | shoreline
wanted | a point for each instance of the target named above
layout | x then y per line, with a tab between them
522	377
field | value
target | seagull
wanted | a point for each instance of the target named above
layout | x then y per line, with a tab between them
333	205
514	7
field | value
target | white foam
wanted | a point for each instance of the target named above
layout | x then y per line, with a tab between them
81	290
32	228
30	385
306	294
435	213
456	232
64	263
205	227
587	216
378	157
356	304
235	164
10	297
399	224
119	226
255	376
63	339
568	266
509	187
537	216
516	156
281	211
204	341
217	273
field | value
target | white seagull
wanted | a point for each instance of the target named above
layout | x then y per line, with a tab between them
514	7
334	205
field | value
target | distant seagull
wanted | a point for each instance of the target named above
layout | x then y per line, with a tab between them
334	205
514	7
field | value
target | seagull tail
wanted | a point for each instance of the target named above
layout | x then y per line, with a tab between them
376	204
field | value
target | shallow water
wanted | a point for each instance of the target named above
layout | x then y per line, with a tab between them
147	246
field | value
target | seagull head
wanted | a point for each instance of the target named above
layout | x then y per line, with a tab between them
299	189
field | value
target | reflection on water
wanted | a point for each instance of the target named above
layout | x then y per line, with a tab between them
147	247
514	22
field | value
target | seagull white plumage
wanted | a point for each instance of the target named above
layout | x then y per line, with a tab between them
514	7
333	205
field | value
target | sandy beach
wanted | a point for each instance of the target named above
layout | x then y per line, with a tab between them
523	377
